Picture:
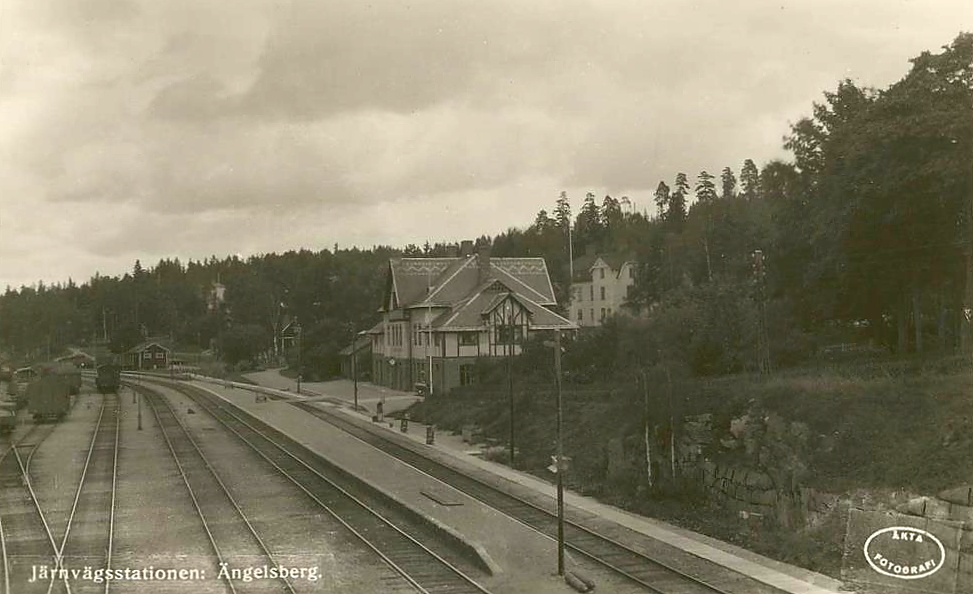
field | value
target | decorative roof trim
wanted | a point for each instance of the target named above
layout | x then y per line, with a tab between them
445	282
529	288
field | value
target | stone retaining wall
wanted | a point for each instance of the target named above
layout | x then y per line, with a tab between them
956	505
754	494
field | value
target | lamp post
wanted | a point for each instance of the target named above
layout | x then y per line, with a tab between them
354	362
510	377
300	367
560	455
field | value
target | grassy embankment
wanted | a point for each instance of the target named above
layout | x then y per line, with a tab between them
880	432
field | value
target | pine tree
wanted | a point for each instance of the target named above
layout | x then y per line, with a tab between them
729	183
588	226
662	199
676	214
562	212
543	222
705	188
749	180
611	213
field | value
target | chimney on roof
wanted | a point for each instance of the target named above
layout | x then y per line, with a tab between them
483	262
466	248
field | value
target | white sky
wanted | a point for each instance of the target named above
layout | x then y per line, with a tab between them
179	128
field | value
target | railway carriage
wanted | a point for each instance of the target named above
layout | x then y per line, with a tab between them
108	379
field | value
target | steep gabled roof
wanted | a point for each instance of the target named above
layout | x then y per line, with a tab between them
469	314
455	286
425	282
141	347
412	277
614	260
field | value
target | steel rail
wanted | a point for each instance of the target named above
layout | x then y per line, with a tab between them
596	556
192	496
211	404
35	504
114	490
77	495
226	490
44	431
98	439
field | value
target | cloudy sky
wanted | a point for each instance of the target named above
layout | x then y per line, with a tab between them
159	128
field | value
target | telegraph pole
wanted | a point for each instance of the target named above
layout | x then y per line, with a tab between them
645	412
560	456
354	363
300	367
763	341
510	377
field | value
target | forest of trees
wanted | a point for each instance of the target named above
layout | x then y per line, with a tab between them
863	238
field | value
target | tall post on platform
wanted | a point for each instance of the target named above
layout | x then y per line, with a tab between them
354	363
560	456
300	367
510	376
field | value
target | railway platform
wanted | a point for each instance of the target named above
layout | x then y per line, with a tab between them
628	528
613	520
521	560
619	523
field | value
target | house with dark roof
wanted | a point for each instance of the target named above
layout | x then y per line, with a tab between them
148	355
441	315
600	287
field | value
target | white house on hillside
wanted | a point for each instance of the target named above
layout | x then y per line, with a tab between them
600	287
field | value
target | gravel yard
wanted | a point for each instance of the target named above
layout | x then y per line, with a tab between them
55	469
296	530
155	522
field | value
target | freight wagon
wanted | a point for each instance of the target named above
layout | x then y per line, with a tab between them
49	396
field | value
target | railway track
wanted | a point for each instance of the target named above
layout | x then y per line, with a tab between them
426	570
89	532
25	537
231	534
693	575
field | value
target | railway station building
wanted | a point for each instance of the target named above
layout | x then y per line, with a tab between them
441	315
